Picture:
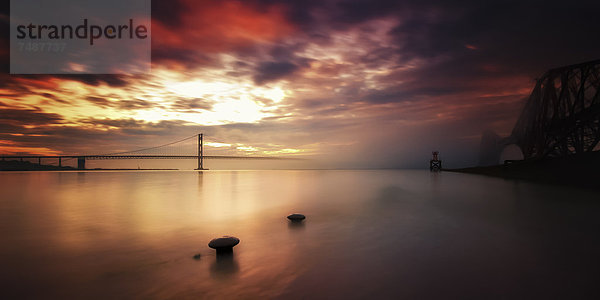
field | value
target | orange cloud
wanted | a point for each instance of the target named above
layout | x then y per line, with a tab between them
223	25
15	150
46	82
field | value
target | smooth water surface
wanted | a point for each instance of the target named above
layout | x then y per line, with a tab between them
368	234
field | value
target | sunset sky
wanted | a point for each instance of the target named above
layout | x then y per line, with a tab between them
362	83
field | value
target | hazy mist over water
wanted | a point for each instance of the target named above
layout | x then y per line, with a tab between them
368	234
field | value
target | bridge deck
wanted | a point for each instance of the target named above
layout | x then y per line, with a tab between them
97	157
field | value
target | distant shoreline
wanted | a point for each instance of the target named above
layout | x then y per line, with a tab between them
75	170
578	170
15	165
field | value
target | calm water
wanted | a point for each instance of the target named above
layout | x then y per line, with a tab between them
368	234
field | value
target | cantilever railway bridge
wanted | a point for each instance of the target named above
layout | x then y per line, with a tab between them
561	117
175	150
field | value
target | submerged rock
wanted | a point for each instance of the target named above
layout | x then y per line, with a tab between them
296	217
197	256
224	244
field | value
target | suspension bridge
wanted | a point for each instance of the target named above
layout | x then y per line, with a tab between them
561	117
192	147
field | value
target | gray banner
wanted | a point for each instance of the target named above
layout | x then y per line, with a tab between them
80	37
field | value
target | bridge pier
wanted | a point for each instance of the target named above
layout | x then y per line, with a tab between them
81	163
435	164
60	162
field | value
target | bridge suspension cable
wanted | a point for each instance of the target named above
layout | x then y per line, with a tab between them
190	138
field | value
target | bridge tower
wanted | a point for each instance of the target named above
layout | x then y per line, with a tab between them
200	152
81	162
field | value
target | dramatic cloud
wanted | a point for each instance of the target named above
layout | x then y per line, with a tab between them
362	83
27	117
269	71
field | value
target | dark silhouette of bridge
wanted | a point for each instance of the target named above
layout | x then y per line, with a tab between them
175	150
561	117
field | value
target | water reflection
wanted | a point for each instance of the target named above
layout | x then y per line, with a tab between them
295	225
433	235
224	266
390	196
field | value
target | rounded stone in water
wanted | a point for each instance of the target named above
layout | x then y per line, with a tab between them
225	243
296	217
